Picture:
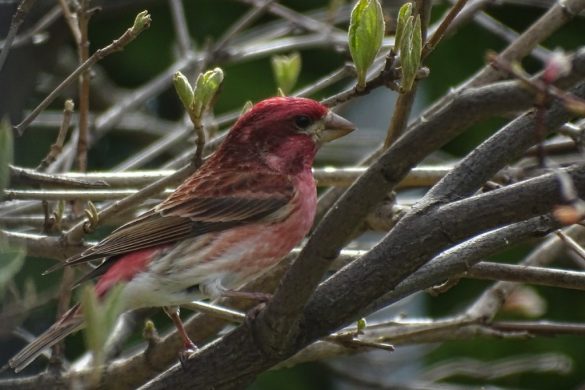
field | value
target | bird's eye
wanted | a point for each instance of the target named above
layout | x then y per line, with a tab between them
302	121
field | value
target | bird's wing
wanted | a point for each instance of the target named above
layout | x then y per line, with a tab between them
205	203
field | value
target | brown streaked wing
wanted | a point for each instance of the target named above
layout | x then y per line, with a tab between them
238	199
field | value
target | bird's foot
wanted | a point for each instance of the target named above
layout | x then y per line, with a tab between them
189	350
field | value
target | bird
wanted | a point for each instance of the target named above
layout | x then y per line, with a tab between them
242	211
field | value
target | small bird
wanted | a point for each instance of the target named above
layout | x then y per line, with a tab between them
242	211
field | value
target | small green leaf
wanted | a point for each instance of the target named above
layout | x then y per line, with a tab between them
6	153
410	52
94	331
403	16
286	70
113	306
415	50
206	86
183	89
100	317
405	46
365	35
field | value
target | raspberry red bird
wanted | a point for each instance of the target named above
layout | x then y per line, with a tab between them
247	206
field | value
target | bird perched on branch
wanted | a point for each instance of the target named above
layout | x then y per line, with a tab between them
247	206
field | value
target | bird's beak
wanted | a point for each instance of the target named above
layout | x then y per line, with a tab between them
334	126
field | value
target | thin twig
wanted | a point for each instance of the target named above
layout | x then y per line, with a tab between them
557	16
117	45
480	369
496	27
72	22
443	26
490	302
17	19
245	20
58	350
544	328
571	244
387	76
526	274
37	29
83	16
74	234
297	18
58	145
181	27
94	182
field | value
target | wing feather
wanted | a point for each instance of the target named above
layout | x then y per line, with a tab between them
201	205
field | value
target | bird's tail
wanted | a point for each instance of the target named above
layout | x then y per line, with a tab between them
71	322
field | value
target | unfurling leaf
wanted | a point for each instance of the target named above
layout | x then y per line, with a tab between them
410	52
286	70
206	87
403	17
100	317
6	153
183	89
141	22
365	35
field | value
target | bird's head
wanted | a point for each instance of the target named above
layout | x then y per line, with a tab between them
285	132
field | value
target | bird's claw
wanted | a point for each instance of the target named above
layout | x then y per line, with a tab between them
186	354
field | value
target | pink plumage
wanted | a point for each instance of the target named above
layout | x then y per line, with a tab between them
240	213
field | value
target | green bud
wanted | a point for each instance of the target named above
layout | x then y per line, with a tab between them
286	70
410	52
6	153
183	89
365	35
403	16
361	325
206	86
149	327
141	22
